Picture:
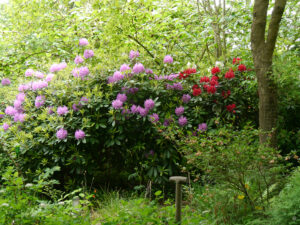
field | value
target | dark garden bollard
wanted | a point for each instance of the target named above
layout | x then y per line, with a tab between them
178	181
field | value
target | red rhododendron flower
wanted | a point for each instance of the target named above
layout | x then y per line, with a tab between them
196	91
229	74
216	78
215	70
242	68
204	79
213	82
236	60
195	86
211	89
186	73
230	108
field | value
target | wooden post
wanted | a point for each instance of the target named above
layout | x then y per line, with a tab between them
178	195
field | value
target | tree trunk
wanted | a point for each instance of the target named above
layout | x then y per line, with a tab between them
267	91
262	52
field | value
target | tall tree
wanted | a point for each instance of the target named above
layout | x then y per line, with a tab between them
263	44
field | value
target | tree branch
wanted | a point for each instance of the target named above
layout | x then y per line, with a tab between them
259	24
143	46
274	26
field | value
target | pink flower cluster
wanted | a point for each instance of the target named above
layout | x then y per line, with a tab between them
88	54
175	86
81	72
58	67
62	110
39	101
83	42
63	134
116	77
168	59
5	82
166	77
138	68
134	54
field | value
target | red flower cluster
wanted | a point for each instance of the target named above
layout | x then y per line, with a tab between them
229	74
213	82
230	108
204	79
226	94
210	89
236	60
215	70
242	68
186	73
196	90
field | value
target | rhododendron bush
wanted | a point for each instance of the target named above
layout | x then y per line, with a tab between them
105	126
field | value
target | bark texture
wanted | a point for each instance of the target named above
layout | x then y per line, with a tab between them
263	45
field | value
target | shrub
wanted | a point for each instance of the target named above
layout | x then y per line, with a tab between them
115	117
285	208
247	175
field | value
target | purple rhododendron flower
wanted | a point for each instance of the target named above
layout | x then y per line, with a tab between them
186	98
149	71
17	104
143	112
29	72
5	126
54	68
74	107
154	118
117	104
132	90
167	122
177	86
79	134
49	77
116	77
182	121
21	97
78	60
39	75
138	68
124	67
63	65
179	111
83	71
1	115
10	111
19	117
149	104
134	54
37	85
58	67
61	133
62	110
88	53
168	59
23	87
5	82
134	109
83	42
122	97
75	72
39	101
202	127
